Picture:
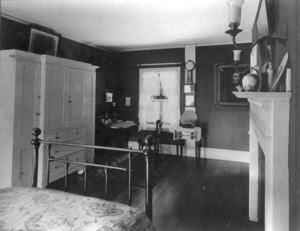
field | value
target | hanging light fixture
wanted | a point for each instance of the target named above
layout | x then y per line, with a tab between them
236	59
234	16
234	20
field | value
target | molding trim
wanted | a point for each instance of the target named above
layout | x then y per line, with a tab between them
207	153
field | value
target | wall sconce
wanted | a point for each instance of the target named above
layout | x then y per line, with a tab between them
236	59
236	56
234	16
260	28
234	19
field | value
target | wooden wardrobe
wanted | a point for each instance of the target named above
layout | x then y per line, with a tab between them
54	94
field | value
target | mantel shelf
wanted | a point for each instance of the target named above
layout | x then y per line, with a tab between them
263	95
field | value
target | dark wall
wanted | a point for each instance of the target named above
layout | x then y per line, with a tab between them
224	128
15	35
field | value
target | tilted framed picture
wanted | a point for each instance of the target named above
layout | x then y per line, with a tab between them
226	80
43	43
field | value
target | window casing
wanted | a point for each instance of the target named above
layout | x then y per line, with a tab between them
159	98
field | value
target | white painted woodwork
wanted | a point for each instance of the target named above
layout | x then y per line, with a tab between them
55	94
269	135
19	113
68	104
190	54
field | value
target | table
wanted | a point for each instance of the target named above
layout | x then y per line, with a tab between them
188	134
117	134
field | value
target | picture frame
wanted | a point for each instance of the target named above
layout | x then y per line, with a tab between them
43	43
224	77
189	89
190	100
108	97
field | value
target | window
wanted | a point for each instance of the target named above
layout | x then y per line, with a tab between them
159	98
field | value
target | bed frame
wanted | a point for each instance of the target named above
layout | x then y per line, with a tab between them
146	152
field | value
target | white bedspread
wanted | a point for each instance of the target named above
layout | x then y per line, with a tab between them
45	209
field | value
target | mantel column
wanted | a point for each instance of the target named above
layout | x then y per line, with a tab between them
269	134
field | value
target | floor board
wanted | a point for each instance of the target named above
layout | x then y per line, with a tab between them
210	195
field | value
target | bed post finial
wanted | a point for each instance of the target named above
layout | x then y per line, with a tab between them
36	145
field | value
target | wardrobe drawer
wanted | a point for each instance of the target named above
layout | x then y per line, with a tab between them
59	136
60	151
76	133
77	156
58	167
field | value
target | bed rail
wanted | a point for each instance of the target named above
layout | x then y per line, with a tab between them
148	190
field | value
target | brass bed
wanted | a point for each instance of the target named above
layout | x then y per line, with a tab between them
32	208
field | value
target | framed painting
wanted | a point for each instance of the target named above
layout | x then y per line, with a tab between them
227	80
43	43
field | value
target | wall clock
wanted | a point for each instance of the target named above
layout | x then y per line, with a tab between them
190	66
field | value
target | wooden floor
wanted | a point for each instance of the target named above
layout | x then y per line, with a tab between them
208	195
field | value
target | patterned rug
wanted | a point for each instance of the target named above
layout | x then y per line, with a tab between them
159	165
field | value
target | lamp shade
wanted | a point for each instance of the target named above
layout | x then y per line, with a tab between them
234	11
236	55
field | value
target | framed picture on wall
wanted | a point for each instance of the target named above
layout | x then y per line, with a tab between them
190	100
227	80
43	43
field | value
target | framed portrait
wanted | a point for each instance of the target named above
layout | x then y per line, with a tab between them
227	80
43	43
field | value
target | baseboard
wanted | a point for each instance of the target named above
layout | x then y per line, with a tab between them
208	153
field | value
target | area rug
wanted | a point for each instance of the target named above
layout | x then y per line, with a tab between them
159	165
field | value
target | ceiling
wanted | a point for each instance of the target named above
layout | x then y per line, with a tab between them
124	25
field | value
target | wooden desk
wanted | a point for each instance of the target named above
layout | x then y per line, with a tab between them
186	134
115	135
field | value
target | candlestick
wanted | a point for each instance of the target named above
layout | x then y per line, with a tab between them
288	79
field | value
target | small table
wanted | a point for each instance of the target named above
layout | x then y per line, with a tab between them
117	134
186	134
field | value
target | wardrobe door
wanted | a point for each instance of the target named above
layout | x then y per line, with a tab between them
75	97
54	89
27	114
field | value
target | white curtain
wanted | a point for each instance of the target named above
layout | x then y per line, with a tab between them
150	80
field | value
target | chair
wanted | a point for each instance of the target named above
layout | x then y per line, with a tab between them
152	139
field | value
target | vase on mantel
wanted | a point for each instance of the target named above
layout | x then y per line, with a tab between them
250	82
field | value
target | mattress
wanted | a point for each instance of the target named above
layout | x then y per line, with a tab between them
26	208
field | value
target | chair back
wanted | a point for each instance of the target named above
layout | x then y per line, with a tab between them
158	128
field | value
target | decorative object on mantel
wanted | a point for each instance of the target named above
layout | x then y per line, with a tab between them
279	72
288	80
250	82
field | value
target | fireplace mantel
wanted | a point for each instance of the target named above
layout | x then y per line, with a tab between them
269	134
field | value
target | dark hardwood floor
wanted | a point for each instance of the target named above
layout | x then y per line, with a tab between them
210	195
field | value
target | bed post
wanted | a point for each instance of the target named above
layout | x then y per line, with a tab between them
36	145
129	178
148	192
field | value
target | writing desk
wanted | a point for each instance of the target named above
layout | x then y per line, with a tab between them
188	134
117	134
